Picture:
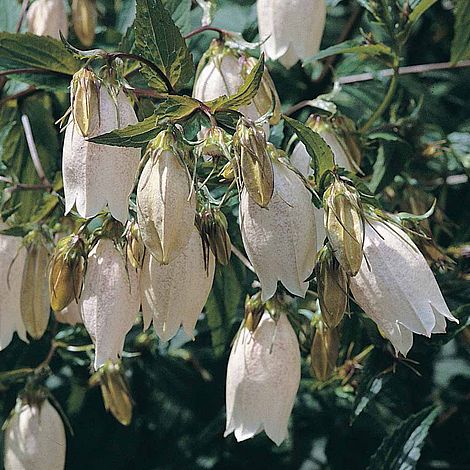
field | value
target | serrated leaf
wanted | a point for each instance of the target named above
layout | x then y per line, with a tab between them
402	449
25	51
352	47
244	94
173	109
158	40
180	11
421	8
322	156
222	305
461	42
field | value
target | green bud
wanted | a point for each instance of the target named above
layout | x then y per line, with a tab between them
324	352
86	101
254	309
134	245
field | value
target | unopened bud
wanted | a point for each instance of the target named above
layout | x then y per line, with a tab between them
84	20
212	226
324	352
85	97
256	165
116	395
66	272
332	284
135	246
215	144
344	225
34	298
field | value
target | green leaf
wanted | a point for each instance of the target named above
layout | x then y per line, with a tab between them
25	51
402	449
222	305
180	11
173	109
422	6
461	42
352	47
244	94
322	156
10	14
158	40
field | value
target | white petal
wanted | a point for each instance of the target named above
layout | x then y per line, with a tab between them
280	239
47	18
175	294
399	287
35	439
97	175
263	376
110	300
12	258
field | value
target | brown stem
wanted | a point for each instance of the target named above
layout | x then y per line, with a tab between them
20	94
148	63
28	70
33	151
205	28
24	7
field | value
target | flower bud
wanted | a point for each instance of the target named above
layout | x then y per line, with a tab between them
34	297
116	395
110	301
66	272
175	294
12	258
166	205
35	438
254	310
332	284
85	97
280	239
97	175
256	166
344	225
84	20
396	288
291	30
212	226
263	376
215	143
324	352
48	18
134	245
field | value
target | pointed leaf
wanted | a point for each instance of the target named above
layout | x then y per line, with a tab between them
461	42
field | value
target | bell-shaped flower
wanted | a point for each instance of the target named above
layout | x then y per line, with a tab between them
84	16
396	287
97	175
48	18
223	71
175	294
166	205
12	258
35	438
291	30
263	377
280	239
110	300
70	315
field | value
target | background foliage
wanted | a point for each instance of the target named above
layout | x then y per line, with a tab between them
383	414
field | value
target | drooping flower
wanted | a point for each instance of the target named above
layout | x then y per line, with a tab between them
280	239
35	438
224	71
396	288
291	30
166	205
84	16
175	294
70	315
12	258
97	175
48	18
110	300
263	376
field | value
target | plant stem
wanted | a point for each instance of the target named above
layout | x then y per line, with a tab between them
205	28
384	105
34	152
24	7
